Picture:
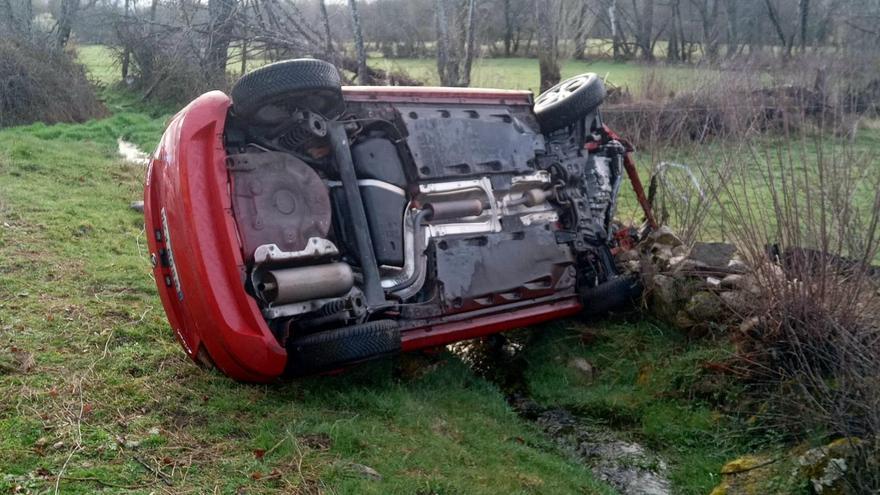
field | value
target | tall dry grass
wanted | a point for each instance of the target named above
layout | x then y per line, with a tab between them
788	177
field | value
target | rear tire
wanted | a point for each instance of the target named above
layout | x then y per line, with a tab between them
568	101
611	295
331	349
304	84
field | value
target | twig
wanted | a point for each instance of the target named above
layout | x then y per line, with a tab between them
109	484
159	474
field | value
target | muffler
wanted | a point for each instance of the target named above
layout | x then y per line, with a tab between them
292	285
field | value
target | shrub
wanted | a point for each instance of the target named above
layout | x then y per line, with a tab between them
39	84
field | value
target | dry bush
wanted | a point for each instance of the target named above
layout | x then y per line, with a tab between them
742	98
806	214
166	64
39	84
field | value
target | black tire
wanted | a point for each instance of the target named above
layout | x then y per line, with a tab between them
307	84
611	295
331	349
568	101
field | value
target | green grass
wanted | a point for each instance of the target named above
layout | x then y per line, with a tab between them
522	73
505	73
651	384
111	391
78	297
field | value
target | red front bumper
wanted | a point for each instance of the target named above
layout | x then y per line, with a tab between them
198	264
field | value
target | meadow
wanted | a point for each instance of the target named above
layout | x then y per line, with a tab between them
98	396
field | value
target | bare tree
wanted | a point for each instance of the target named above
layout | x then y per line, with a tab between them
644	27
68	9
362	75
786	40
220	24
548	53
328	35
708	12
455	53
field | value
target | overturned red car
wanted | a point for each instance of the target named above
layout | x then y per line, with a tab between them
297	226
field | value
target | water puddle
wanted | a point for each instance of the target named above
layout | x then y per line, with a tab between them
625	465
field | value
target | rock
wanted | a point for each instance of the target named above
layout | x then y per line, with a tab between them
712	254
687	266
703	307
737	266
628	255
713	282
675	261
736	281
633	266
583	367
683	321
665	295
745	476
827	466
738	301
664	236
366	471
749	326
137	206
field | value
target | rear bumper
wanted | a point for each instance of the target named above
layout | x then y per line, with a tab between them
199	269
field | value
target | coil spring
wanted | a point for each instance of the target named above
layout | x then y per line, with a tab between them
332	307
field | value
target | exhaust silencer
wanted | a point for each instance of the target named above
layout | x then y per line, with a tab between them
292	285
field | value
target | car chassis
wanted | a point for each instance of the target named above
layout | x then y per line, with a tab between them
300	227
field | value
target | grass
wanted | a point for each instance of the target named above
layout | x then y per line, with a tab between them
651	384
505	73
110	389
110	399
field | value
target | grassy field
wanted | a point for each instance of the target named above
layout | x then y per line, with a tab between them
505	73
98	396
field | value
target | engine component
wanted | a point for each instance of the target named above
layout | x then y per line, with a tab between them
480	189
384	204
277	199
291	285
461	208
377	158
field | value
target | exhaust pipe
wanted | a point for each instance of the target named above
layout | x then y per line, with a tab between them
292	285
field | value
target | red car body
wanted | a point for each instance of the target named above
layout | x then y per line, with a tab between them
199	265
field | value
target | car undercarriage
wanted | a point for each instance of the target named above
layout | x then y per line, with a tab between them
370	220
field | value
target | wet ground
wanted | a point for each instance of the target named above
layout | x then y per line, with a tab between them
626	465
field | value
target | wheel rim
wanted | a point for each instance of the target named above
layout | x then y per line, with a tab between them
560	92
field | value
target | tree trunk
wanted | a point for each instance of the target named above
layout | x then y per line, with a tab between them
328	37
804	11
443	44
732	27
548	57
362	75
581	33
615	29
217	53
644	20
467	59
508	28
67	14
780	32
673	52
126	53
